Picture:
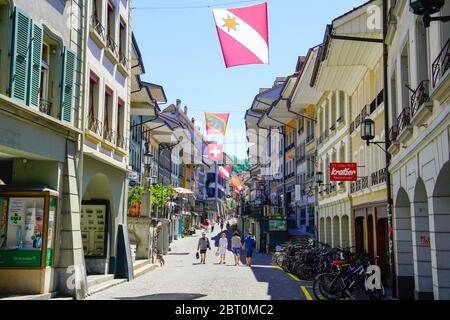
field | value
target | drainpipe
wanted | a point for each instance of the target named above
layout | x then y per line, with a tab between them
391	260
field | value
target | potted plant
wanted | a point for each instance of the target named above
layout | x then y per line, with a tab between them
134	201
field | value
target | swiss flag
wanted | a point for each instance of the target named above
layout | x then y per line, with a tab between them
215	151
243	34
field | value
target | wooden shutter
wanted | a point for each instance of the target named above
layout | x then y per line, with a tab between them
20	54
68	84
35	65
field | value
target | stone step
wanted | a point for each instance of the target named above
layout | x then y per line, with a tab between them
139	264
93	280
105	285
144	269
44	296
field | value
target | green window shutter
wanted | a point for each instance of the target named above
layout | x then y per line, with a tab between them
68	84
35	65
19	56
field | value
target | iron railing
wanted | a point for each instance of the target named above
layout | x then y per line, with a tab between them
378	177
393	135
310	138
441	64
112	45
120	141
95	125
109	135
45	106
123	59
420	96
352	127
404	119
333	127
364	113
97	26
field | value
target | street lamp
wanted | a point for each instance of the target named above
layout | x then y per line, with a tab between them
148	158
368	130
426	8
319	177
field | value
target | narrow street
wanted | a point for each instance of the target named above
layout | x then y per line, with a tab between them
182	278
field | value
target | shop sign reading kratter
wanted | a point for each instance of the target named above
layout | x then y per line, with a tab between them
343	172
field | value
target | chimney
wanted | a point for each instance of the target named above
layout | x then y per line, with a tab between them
185	110
178	104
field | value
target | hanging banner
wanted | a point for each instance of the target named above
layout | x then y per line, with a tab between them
215	152
225	172
243	34
216	123
343	172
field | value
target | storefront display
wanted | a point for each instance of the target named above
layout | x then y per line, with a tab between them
94	226
24	225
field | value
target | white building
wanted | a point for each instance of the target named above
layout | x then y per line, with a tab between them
420	167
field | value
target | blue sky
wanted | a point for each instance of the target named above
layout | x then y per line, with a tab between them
181	52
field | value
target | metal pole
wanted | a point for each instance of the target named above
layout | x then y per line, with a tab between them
390	257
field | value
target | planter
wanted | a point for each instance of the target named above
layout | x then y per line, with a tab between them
135	209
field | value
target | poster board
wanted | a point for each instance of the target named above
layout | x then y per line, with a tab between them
94	228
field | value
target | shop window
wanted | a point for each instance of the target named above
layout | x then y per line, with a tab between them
22	233
108	132
94	124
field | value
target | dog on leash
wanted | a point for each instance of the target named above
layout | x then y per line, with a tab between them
160	259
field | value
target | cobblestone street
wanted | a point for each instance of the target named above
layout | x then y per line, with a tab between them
184	278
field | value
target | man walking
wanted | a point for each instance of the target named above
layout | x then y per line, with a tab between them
249	243
236	248
203	245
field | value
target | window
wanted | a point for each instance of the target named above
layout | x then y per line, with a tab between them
341	105
108	133
120	124
405	77
123	41
94	124
393	91
111	28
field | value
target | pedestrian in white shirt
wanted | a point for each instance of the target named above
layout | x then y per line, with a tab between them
223	247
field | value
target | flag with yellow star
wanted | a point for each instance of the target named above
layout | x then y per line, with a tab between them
243	34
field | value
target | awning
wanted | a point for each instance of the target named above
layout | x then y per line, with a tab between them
344	62
161	131
141	100
278	114
303	94
183	191
157	92
265	99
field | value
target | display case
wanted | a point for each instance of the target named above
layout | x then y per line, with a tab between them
27	227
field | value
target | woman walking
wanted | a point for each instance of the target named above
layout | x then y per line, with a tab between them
236	248
223	247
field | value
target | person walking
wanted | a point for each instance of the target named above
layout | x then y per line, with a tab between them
249	244
223	247
221	225
212	227
203	246
236	248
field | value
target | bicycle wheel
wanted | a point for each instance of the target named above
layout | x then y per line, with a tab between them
328	286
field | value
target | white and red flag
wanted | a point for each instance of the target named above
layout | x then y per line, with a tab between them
243	34
225	172
215	151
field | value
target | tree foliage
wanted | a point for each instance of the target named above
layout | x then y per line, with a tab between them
135	195
161	194
240	165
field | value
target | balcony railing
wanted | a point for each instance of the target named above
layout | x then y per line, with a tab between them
357	121
360	184
109	135
289	147
441	64
45	106
310	138
420	96
95	125
352	127
97	26
378	177
364	112
120	141
112	45
333	127
123	59
404	119
393	134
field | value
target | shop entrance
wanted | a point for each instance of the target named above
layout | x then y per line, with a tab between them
96	225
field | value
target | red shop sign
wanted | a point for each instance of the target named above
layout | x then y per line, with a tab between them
343	172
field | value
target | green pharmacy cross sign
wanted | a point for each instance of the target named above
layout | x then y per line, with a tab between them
16	218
